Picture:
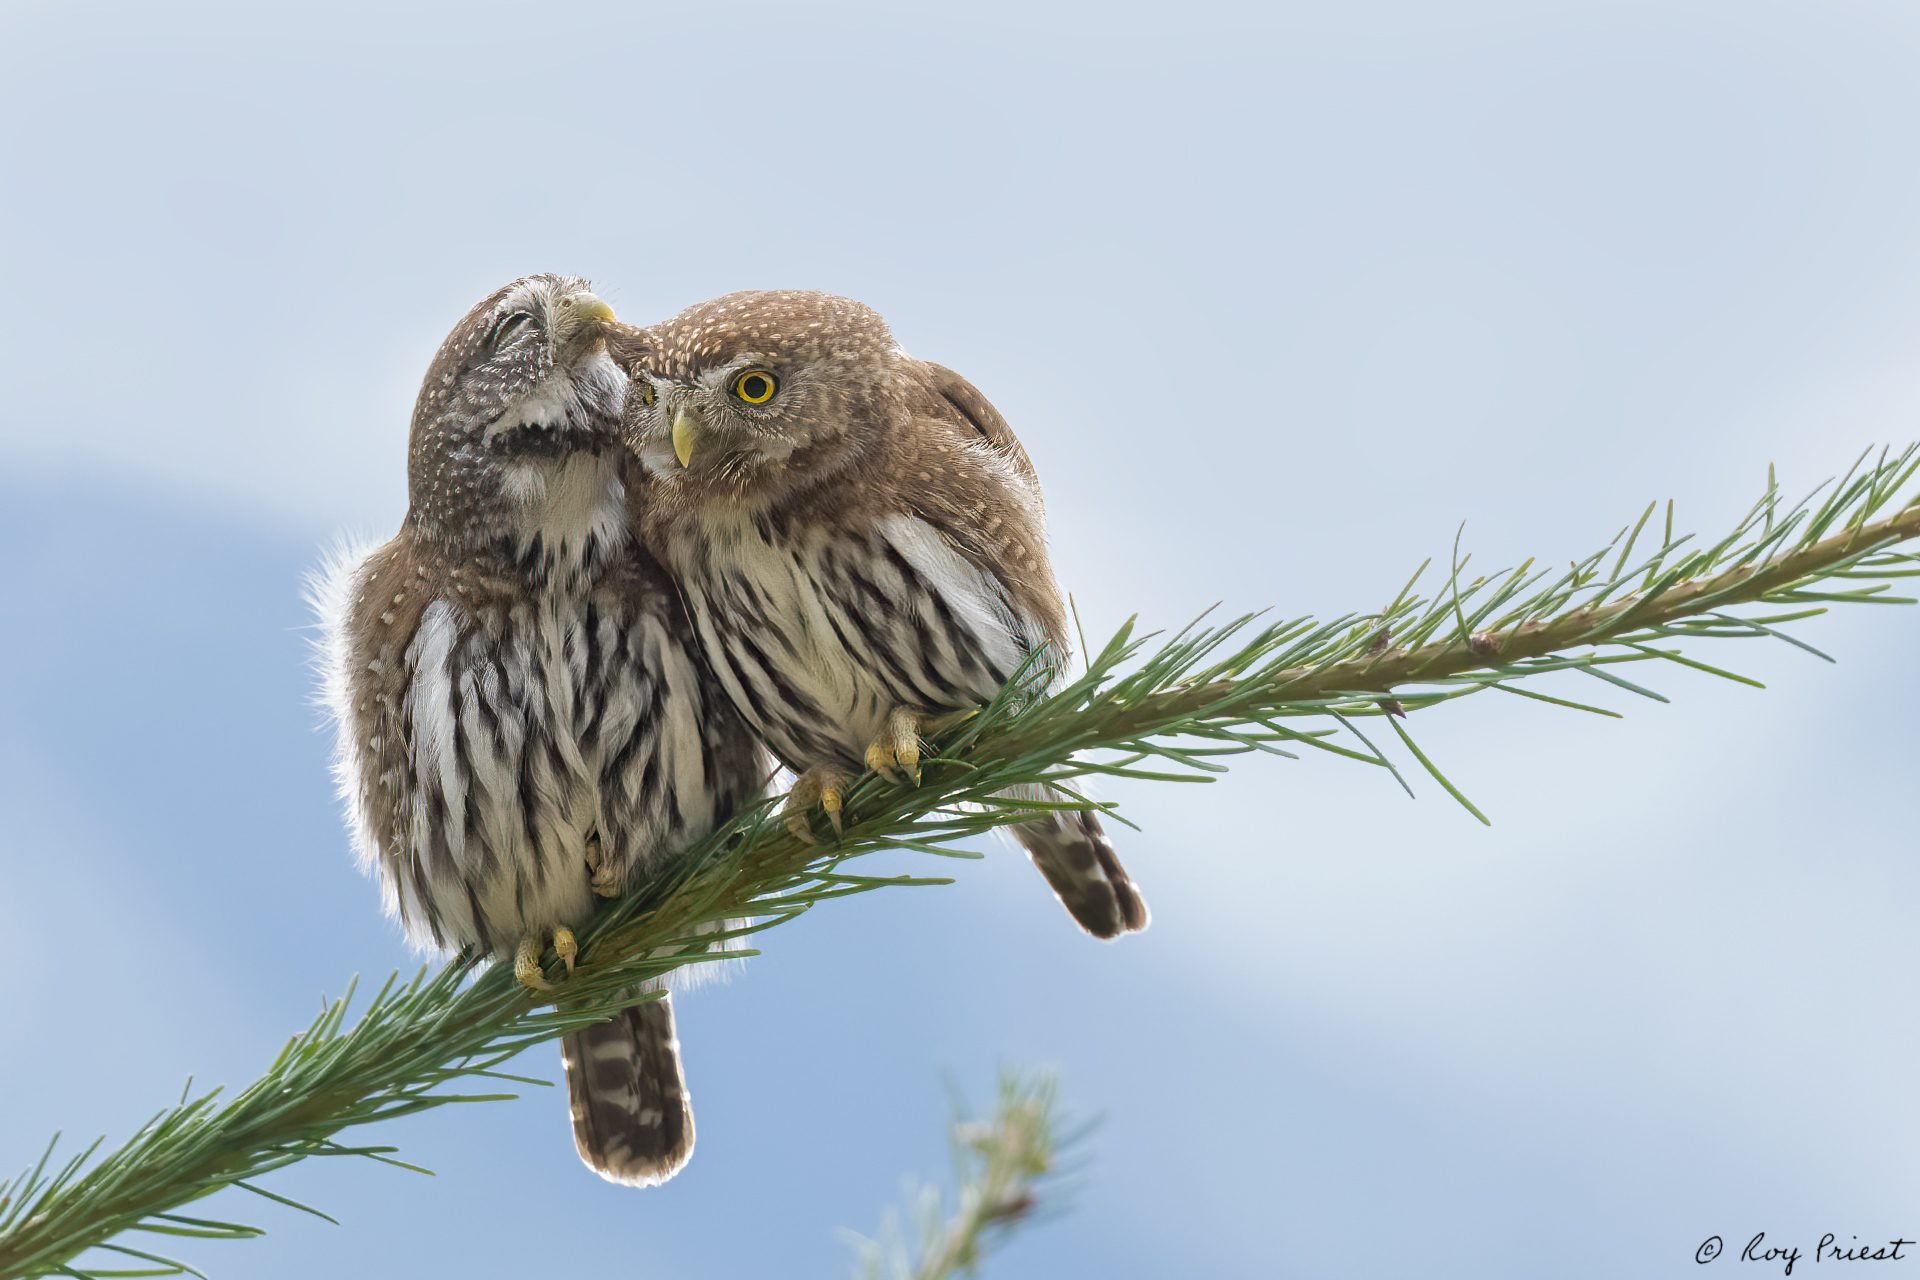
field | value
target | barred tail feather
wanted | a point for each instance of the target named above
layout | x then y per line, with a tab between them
632	1118
1074	854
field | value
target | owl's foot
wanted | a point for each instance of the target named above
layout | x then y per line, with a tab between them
606	877
527	970
895	754
820	786
606	883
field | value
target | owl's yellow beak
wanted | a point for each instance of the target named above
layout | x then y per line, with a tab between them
686	433
591	308
581	313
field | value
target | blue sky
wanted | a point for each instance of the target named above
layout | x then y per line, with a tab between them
1277	295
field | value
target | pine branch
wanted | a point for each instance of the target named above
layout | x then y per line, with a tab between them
1003	1168
1202	694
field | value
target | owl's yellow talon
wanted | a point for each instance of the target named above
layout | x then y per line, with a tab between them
895	754
526	964
606	877
819	786
527	969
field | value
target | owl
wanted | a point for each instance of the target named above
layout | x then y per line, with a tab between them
860	540
524	726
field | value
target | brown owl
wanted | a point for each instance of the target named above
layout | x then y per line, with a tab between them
860	540
523	723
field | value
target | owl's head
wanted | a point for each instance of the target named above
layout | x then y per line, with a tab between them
754	395
522	383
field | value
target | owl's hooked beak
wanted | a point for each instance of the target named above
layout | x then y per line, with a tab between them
581	313
686	434
590	308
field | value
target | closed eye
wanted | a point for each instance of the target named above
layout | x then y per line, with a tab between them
507	328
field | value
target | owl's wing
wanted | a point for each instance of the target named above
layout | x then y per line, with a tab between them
976	485
976	411
370	609
966	474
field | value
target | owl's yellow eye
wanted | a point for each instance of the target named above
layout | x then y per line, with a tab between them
756	386
642	386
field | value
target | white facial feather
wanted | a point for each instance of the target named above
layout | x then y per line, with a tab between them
595	383
574	503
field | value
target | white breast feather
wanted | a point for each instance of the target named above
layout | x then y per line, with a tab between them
822	672
430	702
680	734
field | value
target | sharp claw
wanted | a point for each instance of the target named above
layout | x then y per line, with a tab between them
895	755
566	946
884	762
818	787
526	965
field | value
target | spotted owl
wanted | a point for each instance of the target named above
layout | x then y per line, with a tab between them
860	540
523	724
